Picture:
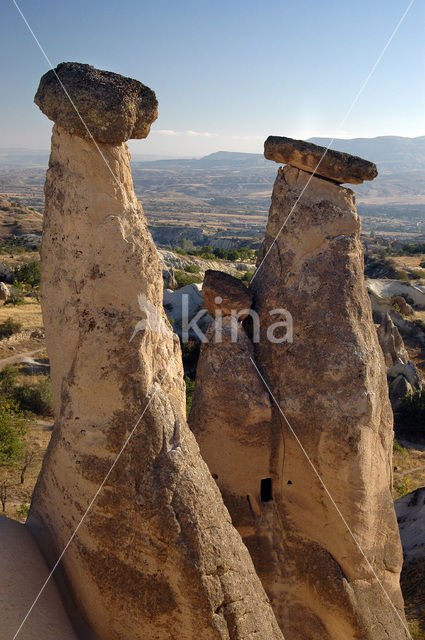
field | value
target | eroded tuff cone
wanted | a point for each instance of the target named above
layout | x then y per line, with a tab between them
225	293
330	382
391	343
113	108
334	165
156	555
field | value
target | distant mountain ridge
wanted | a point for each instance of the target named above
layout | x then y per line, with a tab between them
390	153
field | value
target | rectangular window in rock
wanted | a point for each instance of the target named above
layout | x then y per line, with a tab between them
266	490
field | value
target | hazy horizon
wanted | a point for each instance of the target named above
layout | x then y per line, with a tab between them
230	74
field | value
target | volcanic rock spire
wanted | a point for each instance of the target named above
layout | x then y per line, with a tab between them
156	555
330	562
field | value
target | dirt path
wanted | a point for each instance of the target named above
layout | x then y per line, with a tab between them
18	357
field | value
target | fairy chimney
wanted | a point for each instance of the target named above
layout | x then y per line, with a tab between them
307	479
155	554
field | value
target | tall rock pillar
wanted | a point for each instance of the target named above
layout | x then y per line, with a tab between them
156	555
310	543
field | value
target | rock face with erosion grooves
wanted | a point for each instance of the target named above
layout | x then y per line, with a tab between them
334	165
156	556
330	383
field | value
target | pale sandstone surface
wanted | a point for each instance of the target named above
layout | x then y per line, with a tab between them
328	163
23	572
157	556
82	99
330	383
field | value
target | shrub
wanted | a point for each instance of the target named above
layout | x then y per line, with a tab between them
410	414
246	277
23	509
417	274
9	327
401	275
419	323
190	390
192	268
184	279
14	300
36	398
8	378
416	630
397	448
28	273
13	428
404	488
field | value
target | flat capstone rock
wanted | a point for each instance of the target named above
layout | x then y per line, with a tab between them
334	165
113	107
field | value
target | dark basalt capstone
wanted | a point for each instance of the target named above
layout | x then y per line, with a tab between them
334	165
114	108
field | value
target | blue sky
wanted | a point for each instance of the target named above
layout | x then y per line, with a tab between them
226	73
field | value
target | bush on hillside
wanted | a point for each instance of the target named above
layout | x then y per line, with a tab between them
9	327
36	398
183	279
28	273
410	415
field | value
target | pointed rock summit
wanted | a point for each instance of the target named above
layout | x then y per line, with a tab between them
155	555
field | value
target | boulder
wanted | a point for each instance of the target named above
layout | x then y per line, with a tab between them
155	554
404	307
86	102
225	293
407	370
4	291
334	165
398	388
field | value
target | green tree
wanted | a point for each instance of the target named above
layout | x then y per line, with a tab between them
13	429
28	273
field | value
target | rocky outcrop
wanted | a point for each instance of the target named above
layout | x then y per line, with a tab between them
4	291
185	309
405	308
225	294
327	163
156	555
391	343
403	376
330	385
